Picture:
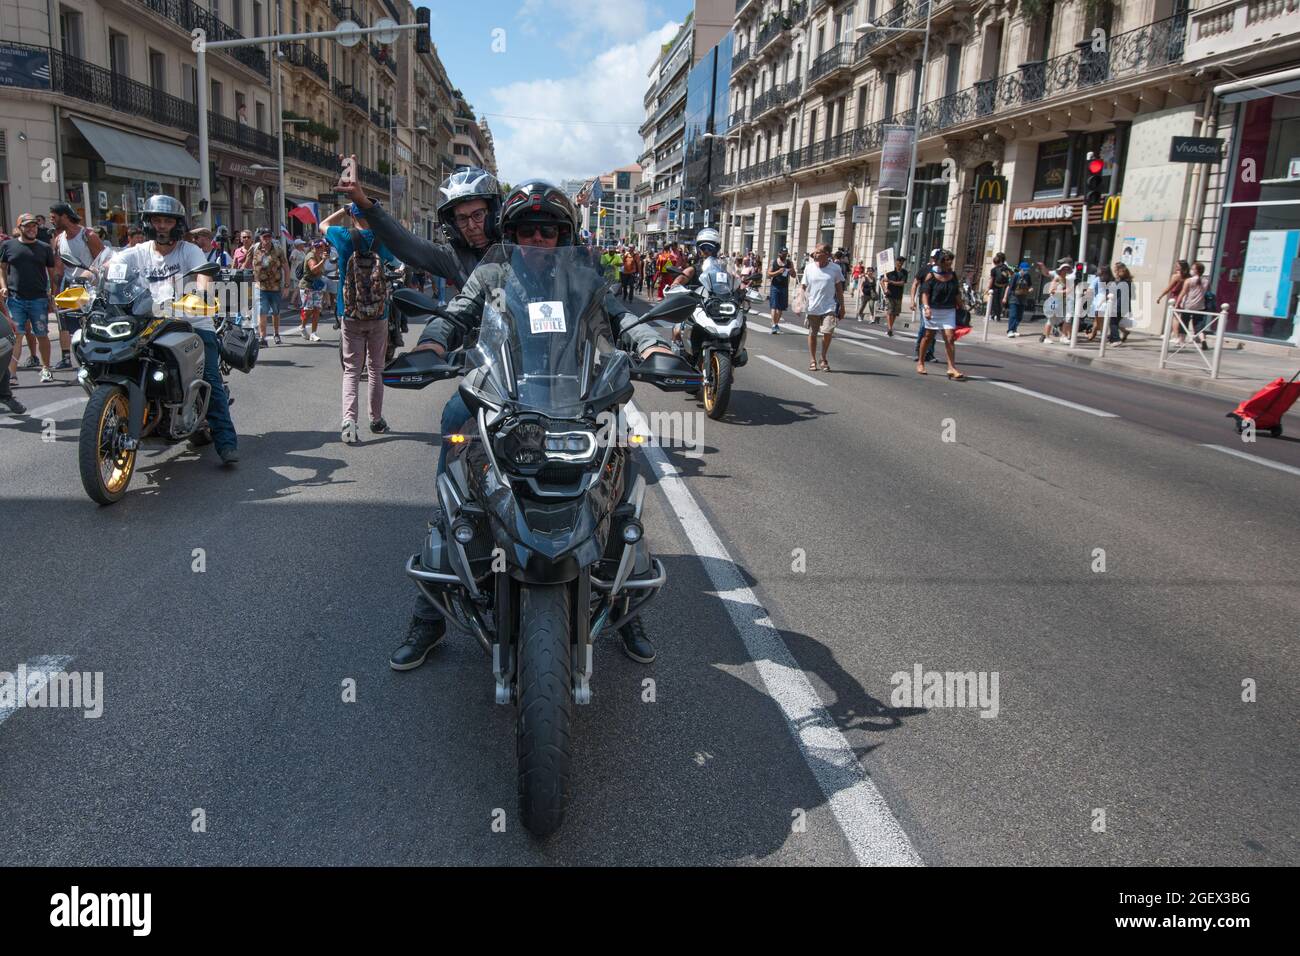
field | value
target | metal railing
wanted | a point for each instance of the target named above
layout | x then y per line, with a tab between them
190	16
300	55
738	118
352	96
85	81
671	130
1189	325
837	57
739	58
384	57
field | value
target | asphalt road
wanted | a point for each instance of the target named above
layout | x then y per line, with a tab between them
821	539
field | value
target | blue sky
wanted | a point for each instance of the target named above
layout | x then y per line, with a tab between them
563	98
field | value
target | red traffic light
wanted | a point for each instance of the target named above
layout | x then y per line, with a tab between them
1095	166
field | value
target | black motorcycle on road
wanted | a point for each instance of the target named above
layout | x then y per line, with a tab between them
142	366
540	548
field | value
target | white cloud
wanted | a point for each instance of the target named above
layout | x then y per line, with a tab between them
565	141
587	19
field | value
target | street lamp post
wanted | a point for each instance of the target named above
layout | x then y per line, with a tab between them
347	33
916	119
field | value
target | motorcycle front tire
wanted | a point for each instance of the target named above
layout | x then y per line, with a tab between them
107	416
544	718
717	397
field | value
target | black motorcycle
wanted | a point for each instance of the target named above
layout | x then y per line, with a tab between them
142	366
540	548
711	315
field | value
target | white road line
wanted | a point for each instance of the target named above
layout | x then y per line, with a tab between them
869	826
874	348
43	412
1289	469
38	675
795	372
1047	398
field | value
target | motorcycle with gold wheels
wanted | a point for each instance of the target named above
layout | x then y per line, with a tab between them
141	364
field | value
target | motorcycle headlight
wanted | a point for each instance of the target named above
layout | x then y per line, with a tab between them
119	329
533	442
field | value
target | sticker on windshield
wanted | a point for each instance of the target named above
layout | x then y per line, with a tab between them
546	316
117	271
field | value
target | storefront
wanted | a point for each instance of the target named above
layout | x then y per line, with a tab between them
1258	265
113	171
242	200
1049	232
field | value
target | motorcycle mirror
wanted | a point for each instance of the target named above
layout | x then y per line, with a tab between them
67	260
417	369
207	269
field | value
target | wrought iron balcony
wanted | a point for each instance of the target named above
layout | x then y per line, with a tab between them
92	84
738	118
352	96
383	55
190	16
830	64
300	55
739	58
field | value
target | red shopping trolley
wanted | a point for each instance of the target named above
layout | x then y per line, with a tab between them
1267	406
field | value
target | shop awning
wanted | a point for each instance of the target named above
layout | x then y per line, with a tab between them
1256	87
132	156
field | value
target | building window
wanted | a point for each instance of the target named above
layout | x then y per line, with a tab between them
952	75
826	223
261	116
70	32
1049	177
189	82
891	89
119	59
215	105
780	232
158	71
237	15
860	117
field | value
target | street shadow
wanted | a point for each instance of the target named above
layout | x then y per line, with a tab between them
754	408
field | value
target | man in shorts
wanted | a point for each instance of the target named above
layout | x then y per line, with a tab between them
824	283
895	282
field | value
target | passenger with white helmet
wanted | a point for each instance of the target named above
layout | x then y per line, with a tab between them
708	242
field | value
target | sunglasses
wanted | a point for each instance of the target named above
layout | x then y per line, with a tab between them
529	230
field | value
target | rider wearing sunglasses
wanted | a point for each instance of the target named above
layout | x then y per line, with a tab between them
536	216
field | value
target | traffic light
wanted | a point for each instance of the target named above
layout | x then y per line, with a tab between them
1093	183
422	34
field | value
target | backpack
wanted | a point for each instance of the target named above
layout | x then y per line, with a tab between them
1024	287
1211	302
365	290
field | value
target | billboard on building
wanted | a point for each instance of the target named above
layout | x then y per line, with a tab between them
896	158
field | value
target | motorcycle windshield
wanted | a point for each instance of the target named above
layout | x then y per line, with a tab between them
544	331
123	284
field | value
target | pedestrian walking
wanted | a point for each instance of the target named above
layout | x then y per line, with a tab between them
1122	318
311	288
1182	272
999	279
778	295
1019	297
240	257
81	244
940	299
27	274
916	292
271	273
823	283
627	277
1189	302
868	293
1055	306
895	283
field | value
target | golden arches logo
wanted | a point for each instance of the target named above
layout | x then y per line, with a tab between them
991	189
1110	211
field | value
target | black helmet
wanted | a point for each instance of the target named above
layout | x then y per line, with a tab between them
469	183
161	205
539	201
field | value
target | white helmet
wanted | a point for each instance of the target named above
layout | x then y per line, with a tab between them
709	237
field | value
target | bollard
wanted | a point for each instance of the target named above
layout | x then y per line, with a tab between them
1164	336
1222	319
1105	323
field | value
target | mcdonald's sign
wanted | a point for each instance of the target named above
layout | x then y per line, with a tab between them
1110	211
990	190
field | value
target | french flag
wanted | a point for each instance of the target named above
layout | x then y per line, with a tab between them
307	213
